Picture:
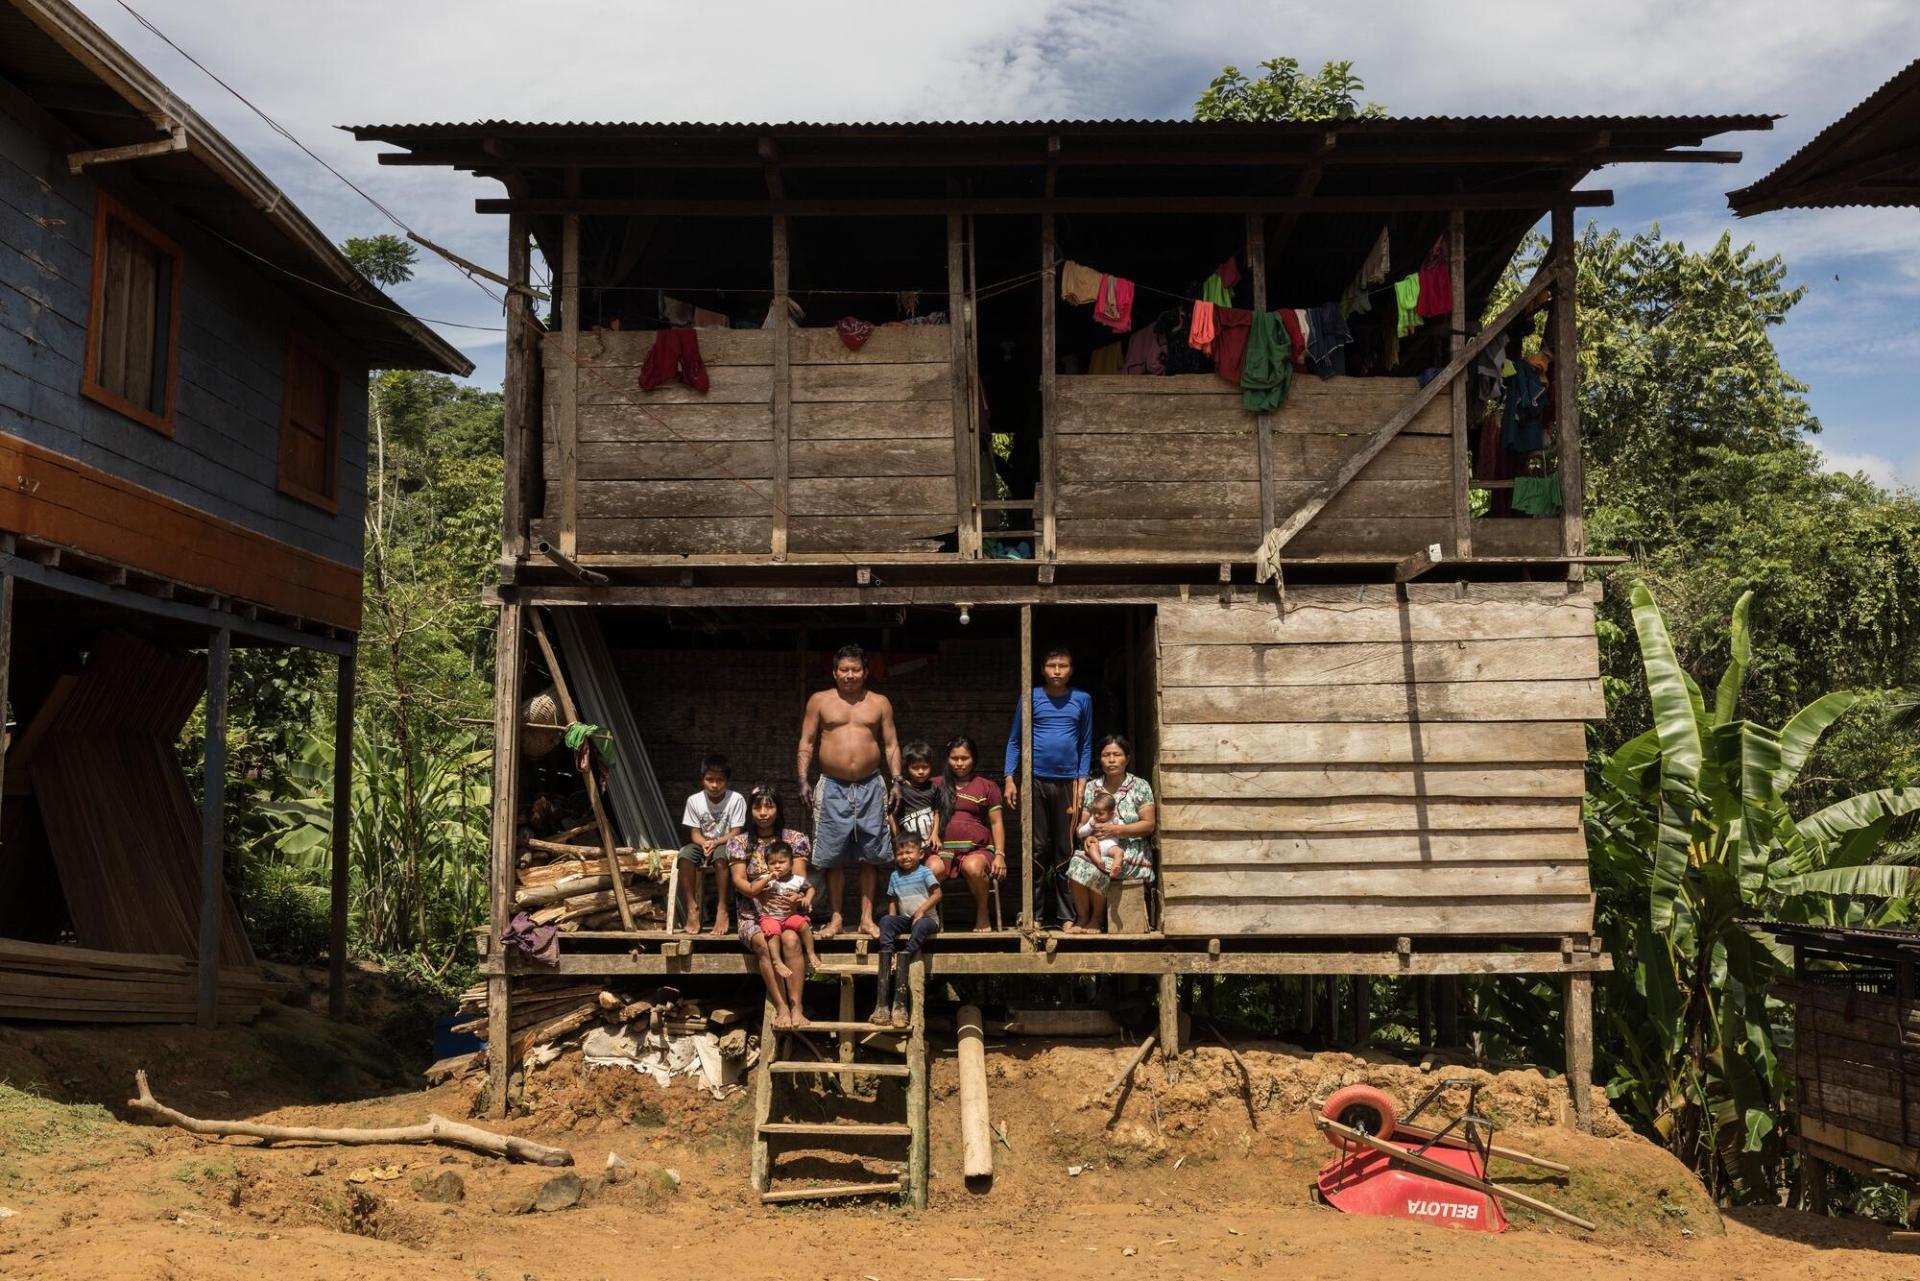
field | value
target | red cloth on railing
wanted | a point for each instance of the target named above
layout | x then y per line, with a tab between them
675	355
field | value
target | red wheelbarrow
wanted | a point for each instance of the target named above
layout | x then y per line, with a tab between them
1399	1168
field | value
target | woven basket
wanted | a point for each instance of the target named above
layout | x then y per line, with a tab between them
541	709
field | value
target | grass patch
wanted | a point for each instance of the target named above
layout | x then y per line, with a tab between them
31	1125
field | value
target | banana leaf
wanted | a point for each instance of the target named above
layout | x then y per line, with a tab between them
1728	695
1802	735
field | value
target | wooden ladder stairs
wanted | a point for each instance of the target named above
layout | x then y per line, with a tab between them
778	1064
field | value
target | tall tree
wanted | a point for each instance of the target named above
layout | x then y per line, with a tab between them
384	259
1284	92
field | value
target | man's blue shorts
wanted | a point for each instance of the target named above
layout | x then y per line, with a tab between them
850	822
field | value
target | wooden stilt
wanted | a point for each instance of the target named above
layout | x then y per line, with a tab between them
213	832
1362	1011
1446	1009
1029	906
1330	1011
1170	1023
1579	1032
507	669
342	806
917	1160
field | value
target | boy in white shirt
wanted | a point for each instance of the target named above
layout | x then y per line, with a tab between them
714	815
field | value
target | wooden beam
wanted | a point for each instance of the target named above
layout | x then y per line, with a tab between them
1029	908
1169	1004
1579	1034
213	832
175	141
960	322
569	424
341	804
1418	563
1302	515
507	669
1262	423
1566	386
1049	360
517	426
782	384
1304	186
1456	339
1437	202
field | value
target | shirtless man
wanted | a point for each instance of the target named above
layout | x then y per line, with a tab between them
854	729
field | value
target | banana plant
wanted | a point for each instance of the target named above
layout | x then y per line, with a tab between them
1692	840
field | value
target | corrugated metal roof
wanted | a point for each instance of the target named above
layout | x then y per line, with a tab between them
1708	123
1886	120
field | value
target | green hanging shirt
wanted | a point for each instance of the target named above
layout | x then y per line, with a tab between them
1215	291
1268	369
1537	495
1406	296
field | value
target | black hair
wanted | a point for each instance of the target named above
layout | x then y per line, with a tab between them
1101	794
854	652
779	808
1058	651
715	763
948	784
1119	741
908	838
778	847
916	752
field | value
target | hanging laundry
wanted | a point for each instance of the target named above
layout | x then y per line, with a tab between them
1115	306
1436	281
1390	340
1378	262
1079	285
1229	271
1522	425
1214	290
1491	461
1296	337
1406	297
539	943
1234	326
1200	336
1146	352
1105	360
675	355
1537	495
1267	369
1327	342
1181	358
853	331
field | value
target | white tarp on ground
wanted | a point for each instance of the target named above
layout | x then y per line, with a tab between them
663	1058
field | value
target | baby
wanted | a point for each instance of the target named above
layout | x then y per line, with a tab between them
1102	851
783	901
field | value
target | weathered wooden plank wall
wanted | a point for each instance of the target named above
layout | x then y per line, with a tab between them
1856	1068
674	471
1358	763
223	455
1172	465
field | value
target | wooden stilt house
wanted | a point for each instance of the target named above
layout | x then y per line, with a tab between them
1355	671
183	371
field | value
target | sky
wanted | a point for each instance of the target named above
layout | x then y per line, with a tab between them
1854	340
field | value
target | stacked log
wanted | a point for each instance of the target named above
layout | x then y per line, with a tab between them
559	1011
52	981
564	883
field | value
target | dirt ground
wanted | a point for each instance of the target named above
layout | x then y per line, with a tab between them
1180	1185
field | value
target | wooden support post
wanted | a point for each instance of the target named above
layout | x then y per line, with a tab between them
966	449
1423	1009
1813	1184
520	411
1262	423
782	385
507	669
1579	1032
976	1139
342	805
847	1014
6	658
917	1084
1170	1022
213	829
1029	906
1456	339
762	1174
1446	1009
568	433
1330	1011
1362	1011
1049	300
1566	386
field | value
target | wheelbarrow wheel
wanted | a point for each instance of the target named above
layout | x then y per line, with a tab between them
1363	1108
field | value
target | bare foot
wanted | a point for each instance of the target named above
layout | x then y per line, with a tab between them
800	1019
813	964
831	929
868	928
691	926
1071	927
983	927
782	969
722	927
782	1020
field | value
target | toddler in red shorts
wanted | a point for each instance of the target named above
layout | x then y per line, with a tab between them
784	902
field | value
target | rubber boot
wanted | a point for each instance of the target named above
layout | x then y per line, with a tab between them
900	989
882	999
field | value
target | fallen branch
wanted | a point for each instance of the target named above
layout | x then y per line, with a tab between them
1246	1077
1126	1073
436	1129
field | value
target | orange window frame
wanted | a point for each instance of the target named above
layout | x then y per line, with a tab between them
105	208
299	348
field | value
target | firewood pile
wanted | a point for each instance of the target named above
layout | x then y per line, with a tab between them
562	882
660	1032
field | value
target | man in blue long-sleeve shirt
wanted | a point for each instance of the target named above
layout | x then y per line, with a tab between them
1062	759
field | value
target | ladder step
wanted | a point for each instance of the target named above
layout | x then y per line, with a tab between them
826	1025
827	1065
841	1129
892	1188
